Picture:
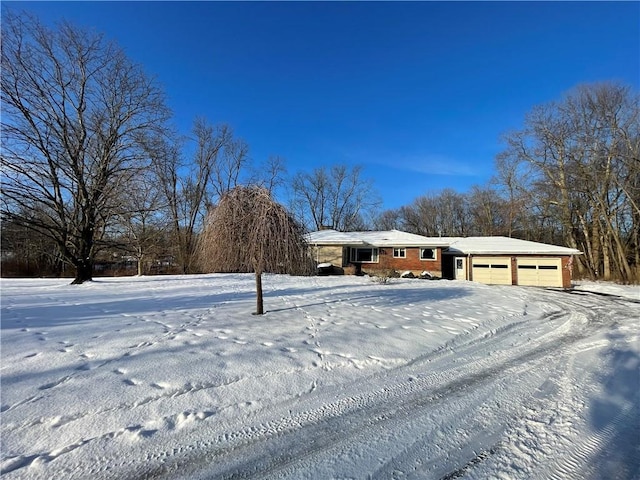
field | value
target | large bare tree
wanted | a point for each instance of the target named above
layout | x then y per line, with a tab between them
249	232
580	158
75	109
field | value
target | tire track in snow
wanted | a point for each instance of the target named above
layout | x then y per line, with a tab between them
308	434
575	464
545	443
273	447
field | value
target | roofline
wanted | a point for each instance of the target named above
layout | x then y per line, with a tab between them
380	244
454	251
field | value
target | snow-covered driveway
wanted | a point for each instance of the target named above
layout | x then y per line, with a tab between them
172	377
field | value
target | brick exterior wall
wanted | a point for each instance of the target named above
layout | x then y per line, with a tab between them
411	262
567	271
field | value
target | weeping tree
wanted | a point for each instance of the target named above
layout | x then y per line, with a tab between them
250	232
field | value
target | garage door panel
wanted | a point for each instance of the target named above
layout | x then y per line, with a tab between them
540	272
494	271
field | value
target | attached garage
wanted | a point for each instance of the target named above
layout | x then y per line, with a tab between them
490	260
509	261
539	272
491	270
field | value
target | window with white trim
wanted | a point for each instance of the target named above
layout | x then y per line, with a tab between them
428	253
364	255
399	253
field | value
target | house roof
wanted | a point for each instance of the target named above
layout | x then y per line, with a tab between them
388	238
461	245
505	245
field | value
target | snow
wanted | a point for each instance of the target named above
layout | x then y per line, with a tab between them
382	238
493	245
608	288
504	246
173	377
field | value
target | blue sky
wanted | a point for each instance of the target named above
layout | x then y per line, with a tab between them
416	92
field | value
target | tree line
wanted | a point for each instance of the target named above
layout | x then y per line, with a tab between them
93	174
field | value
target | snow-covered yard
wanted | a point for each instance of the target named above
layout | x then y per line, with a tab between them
173	377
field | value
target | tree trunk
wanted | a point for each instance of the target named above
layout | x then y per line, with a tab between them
259	300
84	255
84	271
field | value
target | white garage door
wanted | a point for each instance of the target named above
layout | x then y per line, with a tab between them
492	270
539	272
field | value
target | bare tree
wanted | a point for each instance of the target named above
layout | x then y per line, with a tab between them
187	186
437	214
28	253
388	220
271	174
228	167
337	197
419	216
75	109
249	232
581	159
141	221
488	212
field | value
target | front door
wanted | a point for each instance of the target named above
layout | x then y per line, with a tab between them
461	270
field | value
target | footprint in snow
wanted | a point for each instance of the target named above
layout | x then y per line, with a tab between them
160	385
49	385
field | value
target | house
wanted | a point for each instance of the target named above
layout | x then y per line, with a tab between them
378	251
491	260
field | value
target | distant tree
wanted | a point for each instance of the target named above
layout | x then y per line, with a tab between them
28	253
74	112
419	216
271	174
452	217
388	220
443	213
337	197
229	165
488	212
249	232
141	222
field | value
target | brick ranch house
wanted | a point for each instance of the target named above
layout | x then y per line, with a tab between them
491	260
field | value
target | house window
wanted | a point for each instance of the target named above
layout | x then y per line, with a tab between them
428	254
399	253
364	255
